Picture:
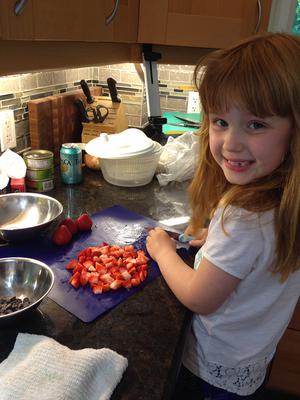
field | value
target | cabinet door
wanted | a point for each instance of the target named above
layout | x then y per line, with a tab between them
285	370
70	20
200	23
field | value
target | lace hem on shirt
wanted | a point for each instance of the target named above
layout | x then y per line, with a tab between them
242	380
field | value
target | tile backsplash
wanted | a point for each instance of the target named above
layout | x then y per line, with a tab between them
175	81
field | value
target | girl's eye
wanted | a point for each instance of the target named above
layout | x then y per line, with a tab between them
220	122
256	125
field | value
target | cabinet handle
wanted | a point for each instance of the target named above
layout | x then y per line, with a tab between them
258	2
109	19
19	6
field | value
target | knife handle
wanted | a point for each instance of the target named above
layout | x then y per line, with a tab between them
86	91
80	105
113	90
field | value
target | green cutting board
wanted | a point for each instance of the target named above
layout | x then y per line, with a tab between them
169	129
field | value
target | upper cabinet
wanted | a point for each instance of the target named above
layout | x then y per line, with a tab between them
70	20
201	23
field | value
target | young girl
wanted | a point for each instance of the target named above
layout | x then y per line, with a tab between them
246	280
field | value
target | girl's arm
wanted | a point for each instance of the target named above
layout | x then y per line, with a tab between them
203	290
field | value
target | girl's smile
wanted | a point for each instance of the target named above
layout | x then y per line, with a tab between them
247	147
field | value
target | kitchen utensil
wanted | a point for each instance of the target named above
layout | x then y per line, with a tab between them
129	143
134	171
81	108
112	225
24	215
86	90
180	237
113	90
115	122
185	125
24	277
128	159
95	114
188	120
54	120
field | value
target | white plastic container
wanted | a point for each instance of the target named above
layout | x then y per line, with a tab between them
128	158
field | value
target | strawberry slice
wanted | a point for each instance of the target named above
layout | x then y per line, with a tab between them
116	284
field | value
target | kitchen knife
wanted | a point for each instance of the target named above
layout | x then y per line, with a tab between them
187	120
185	125
180	237
86	91
113	90
80	105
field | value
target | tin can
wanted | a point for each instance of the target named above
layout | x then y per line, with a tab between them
70	163
40	174
38	159
40	186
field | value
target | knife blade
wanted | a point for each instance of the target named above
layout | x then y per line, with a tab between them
185	125
179	237
113	90
188	120
86	91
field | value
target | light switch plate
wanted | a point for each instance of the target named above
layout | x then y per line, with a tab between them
7	130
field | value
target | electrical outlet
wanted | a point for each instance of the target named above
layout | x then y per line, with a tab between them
193	103
7	130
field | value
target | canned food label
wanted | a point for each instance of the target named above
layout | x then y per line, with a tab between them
40	174
40	186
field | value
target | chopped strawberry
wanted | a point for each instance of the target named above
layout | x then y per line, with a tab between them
125	275
127	284
116	284
105	268
72	264
106	278
97	289
93	278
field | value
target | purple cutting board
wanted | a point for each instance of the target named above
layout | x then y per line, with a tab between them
114	225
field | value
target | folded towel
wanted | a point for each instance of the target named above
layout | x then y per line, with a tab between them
39	368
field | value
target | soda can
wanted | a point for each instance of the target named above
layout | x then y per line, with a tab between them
71	163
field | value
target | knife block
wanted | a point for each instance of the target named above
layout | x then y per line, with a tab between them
115	122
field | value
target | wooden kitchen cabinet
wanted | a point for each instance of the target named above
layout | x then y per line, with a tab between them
70	20
285	370
200	23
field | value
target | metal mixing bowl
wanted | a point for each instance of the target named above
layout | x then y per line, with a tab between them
23	215
24	277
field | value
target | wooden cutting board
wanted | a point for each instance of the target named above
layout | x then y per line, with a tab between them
54	120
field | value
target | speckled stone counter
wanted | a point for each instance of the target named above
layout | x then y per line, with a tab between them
149	327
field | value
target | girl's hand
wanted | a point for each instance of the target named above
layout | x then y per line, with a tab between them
199	238
159	243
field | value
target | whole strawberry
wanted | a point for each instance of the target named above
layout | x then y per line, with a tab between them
84	222
61	235
70	224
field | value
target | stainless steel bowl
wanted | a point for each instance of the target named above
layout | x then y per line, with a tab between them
24	277
24	215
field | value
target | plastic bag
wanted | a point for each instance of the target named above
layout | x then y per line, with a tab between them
178	159
12	165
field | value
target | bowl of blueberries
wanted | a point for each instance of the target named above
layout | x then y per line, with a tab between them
24	283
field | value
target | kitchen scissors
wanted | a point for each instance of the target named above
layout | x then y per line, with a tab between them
97	113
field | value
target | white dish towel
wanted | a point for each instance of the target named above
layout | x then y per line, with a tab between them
39	368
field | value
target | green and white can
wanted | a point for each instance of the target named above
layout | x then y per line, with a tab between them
40	174
40	186
38	159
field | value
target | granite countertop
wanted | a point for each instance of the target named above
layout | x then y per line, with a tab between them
149	327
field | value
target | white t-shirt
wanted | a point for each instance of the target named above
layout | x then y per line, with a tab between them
231	348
